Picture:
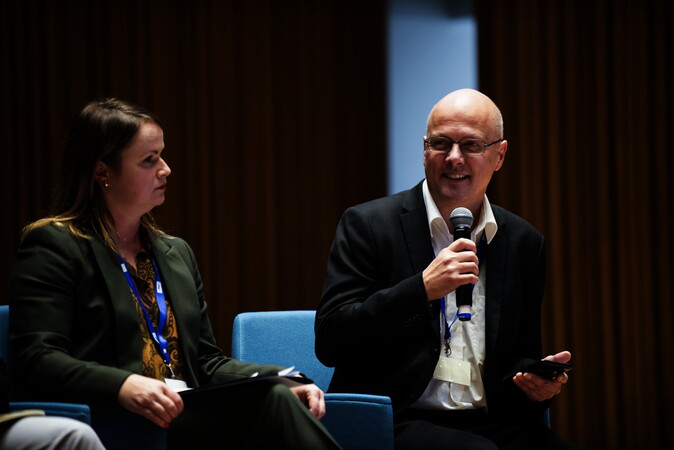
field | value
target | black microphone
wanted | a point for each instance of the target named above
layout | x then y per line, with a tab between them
461	220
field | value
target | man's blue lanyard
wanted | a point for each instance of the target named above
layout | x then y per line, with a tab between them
448	326
443	301
157	333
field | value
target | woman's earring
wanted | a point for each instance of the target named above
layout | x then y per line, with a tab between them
106	184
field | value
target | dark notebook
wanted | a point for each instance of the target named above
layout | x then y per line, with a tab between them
212	388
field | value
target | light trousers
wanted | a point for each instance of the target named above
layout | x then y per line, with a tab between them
48	432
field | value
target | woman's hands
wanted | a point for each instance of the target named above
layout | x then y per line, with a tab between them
157	402
312	396
151	399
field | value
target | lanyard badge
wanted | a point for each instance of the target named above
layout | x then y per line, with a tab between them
156	333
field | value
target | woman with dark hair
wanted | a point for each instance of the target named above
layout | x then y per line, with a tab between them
106	308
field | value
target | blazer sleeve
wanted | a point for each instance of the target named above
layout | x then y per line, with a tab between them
54	312
374	296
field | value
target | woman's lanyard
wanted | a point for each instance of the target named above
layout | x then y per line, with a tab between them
156	333
443	301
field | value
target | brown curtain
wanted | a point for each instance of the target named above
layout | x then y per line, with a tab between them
273	114
586	90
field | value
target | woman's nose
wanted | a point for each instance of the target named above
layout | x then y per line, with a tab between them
165	170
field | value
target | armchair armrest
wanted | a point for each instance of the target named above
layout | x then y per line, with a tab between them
72	410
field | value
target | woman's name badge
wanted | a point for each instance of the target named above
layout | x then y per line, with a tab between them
452	370
176	385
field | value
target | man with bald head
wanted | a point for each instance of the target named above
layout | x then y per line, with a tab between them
387	320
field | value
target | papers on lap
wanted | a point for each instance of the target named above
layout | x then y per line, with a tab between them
288	377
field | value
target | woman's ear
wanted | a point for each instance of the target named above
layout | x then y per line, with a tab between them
101	172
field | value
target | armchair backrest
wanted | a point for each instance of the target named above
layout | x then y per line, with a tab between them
285	338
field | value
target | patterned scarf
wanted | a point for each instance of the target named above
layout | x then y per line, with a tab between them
153	363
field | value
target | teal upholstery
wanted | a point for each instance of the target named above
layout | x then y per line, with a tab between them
356	421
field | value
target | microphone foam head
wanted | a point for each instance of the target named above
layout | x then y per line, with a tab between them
461	217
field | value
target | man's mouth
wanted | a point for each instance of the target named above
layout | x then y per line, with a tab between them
456	176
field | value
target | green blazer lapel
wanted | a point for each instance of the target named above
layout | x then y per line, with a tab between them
182	293
176	276
123	305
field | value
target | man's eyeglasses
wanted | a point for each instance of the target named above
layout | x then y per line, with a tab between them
442	144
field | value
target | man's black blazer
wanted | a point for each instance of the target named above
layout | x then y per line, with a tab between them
376	326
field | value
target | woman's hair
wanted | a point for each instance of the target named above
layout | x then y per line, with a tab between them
100	132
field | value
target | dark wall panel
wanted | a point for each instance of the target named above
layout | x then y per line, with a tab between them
586	91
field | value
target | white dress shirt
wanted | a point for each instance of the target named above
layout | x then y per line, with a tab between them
467	341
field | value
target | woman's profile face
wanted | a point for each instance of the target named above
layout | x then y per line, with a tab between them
139	183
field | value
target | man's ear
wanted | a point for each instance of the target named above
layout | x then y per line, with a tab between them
425	152
503	148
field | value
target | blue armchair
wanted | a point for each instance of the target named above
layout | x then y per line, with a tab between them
356	421
72	410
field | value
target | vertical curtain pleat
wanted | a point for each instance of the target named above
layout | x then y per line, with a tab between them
586	91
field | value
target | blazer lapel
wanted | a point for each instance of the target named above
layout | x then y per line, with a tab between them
175	276
497	255
414	223
123	306
180	290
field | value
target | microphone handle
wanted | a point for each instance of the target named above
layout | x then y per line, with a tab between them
464	293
